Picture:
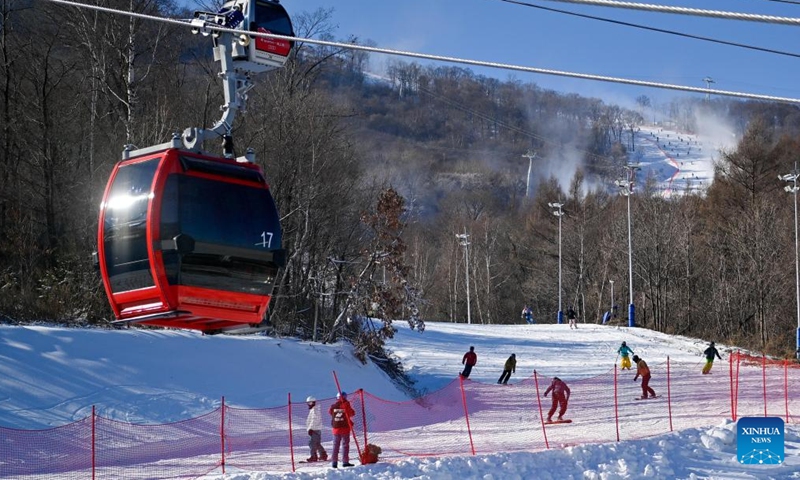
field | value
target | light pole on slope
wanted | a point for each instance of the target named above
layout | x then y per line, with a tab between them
792	177
464	241
558	213
626	188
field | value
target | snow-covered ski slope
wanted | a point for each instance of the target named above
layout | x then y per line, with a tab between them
51	376
678	162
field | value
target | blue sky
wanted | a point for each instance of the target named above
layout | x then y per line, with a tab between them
498	31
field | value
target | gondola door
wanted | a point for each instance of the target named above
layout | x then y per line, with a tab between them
125	239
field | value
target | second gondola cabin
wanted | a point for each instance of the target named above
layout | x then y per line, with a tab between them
259	54
188	241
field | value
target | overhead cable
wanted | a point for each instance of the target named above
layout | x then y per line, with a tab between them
697	12
441	58
654	29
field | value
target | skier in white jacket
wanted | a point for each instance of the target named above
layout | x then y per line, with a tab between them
314	427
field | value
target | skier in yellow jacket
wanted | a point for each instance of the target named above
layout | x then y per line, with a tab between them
625	350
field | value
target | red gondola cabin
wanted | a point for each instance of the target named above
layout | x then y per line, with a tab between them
188	241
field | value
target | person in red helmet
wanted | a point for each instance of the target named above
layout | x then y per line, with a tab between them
341	419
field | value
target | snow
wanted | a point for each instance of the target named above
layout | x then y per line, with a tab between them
679	162
51	376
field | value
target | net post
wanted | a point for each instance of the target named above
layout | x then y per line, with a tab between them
616	401
669	396
786	387
222	435
541	412
764	379
466	413
94	440
291	438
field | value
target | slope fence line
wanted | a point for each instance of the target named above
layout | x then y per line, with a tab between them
463	418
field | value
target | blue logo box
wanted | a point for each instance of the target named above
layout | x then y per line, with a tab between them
759	440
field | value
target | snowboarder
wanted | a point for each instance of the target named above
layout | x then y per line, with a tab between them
624	351
314	427
527	314
509	368
572	318
710	352
644	372
341	418
469	361
560	398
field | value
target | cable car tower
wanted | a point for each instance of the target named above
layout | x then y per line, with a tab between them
188	239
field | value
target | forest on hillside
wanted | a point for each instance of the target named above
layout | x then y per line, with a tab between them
374	178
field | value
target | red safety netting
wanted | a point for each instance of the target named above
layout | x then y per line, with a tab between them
710	395
463	418
403	429
258	439
185	449
62	453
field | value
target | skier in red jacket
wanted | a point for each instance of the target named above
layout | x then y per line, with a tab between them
341	418
469	361
560	397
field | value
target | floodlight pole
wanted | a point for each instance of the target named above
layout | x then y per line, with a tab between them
792	177
558	213
464	241
626	188
530	156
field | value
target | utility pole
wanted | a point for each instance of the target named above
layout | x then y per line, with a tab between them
530	156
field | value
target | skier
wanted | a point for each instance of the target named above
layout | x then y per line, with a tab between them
644	372
527	315
625	350
710	352
314	427
341	418
469	361
572	317
509	368
560	397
